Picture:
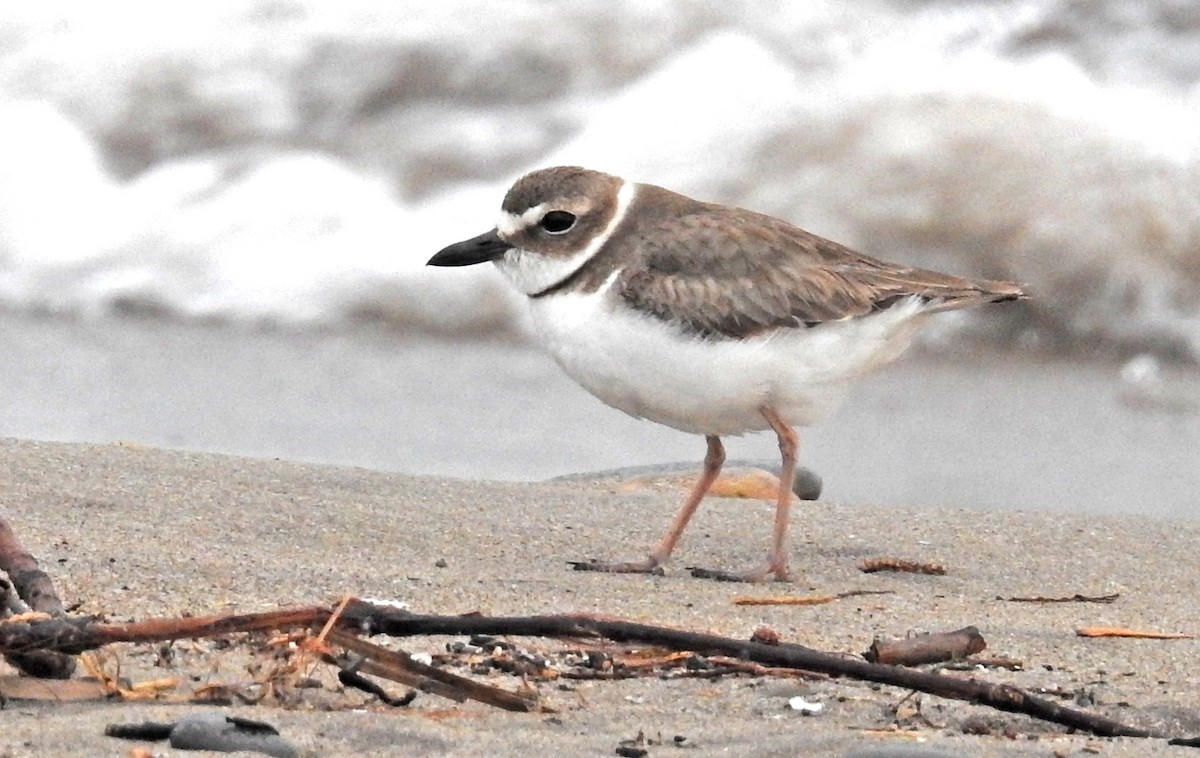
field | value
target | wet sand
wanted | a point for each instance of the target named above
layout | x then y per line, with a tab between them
132	531
967	427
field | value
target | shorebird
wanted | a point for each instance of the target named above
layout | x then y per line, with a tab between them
707	318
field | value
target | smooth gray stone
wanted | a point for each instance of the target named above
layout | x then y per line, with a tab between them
225	734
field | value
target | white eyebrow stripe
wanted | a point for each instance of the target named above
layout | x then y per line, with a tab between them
624	198
511	223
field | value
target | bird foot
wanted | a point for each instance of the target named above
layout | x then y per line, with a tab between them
754	576
648	566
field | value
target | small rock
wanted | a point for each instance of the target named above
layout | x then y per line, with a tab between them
765	635
805	707
229	734
806	484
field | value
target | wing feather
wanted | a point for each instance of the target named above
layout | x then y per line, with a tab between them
728	272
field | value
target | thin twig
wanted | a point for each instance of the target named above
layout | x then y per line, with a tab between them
34	587
1000	696
76	635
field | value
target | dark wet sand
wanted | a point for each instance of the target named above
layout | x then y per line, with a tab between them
133	532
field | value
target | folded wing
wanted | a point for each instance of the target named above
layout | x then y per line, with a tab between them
732	273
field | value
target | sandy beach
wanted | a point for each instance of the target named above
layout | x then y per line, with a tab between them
132	532
249	391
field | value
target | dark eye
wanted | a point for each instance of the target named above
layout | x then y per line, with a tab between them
557	222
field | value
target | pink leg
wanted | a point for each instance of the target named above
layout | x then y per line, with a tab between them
713	460
789	449
777	558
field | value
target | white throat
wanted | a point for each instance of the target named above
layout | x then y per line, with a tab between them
534	272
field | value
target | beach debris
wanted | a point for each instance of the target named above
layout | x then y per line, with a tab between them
1076	598
1120	631
735	482
402	667
717	575
217	732
29	589
743	478
874	565
14	687
1001	662
143	731
991	726
342	625
804	599
805	707
908	714
752	484
590	564
765	635
398	605
351	678
638	747
934	647
1185	741
115	686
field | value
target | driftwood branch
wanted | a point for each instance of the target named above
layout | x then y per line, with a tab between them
1000	696
400	666
31	583
34	587
927	648
77	635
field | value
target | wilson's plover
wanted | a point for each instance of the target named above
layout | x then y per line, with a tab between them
707	318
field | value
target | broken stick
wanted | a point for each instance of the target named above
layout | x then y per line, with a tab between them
1000	696
76	635
33	586
935	647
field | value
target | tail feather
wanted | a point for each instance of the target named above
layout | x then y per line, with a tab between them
942	292
978	292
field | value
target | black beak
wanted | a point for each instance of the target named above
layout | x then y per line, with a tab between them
486	247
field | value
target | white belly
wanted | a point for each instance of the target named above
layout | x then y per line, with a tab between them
650	369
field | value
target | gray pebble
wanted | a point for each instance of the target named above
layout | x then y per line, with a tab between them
806	484
226	734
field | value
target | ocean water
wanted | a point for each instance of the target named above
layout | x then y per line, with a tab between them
297	162
214	222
